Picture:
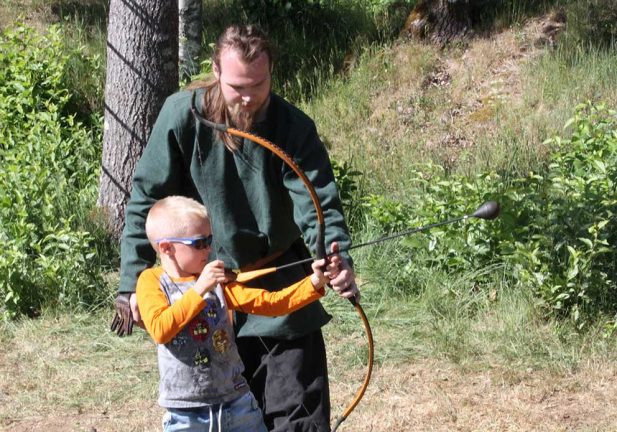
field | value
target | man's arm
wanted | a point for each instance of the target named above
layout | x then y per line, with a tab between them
310	153
308	150
160	172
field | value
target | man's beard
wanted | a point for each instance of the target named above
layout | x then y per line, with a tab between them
242	120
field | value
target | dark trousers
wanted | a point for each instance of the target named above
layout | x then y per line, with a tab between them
289	379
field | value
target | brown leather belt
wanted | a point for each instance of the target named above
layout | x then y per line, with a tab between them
261	262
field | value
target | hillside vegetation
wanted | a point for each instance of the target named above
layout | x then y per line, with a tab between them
467	314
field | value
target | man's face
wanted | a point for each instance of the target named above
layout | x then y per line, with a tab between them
245	86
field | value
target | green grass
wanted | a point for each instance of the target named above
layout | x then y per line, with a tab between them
62	361
472	327
71	363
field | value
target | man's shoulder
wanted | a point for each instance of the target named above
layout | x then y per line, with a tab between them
181	98
295	115
176	110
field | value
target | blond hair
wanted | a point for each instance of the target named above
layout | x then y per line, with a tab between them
173	216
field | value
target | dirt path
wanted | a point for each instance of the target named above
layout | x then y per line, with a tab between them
432	397
417	397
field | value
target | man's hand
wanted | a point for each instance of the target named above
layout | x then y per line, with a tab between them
345	282
127	314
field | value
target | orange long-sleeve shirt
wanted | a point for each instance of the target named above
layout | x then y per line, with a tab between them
164	321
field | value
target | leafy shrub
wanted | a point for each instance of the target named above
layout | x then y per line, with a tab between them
50	175
348	184
569	253
555	234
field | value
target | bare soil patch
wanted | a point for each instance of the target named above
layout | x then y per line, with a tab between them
420	396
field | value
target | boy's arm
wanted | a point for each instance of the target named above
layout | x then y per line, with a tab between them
262	302
163	322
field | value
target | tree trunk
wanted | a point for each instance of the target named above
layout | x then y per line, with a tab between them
142	70
441	21
191	26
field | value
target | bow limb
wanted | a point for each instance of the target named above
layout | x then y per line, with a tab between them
319	241
321	253
369	370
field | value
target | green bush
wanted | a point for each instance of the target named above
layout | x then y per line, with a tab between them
555	235
348	184
49	184
568	249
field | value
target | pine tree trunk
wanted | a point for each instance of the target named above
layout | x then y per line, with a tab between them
142	70
191	26
441	21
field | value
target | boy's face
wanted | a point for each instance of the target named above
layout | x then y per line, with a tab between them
190	260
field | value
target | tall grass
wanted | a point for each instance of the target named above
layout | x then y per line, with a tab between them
358	115
571	74
315	40
75	365
385	117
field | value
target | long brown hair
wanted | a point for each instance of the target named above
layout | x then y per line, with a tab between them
250	42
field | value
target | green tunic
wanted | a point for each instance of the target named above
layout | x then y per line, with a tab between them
258	206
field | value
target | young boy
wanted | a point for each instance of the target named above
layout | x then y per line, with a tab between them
184	309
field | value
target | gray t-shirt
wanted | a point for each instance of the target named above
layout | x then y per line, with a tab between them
201	365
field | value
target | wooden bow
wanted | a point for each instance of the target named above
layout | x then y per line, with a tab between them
320	241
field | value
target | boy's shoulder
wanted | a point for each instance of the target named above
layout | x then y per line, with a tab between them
152	273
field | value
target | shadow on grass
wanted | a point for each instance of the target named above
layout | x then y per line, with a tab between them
87	12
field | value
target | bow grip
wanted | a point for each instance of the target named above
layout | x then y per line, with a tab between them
320	243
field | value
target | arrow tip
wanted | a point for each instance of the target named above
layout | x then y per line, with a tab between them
489	210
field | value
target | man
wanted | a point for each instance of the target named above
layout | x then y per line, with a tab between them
261	214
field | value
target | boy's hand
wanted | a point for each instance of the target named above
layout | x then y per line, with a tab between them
344	282
212	275
322	276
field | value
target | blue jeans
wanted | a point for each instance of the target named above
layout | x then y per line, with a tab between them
240	415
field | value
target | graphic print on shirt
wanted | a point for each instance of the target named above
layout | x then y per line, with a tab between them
220	340
211	311
202	358
199	329
180	340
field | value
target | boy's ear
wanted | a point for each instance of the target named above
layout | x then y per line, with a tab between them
166	248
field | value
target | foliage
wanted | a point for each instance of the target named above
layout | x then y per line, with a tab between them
50	176
593	22
569	255
348	184
554	233
314	39
490	13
